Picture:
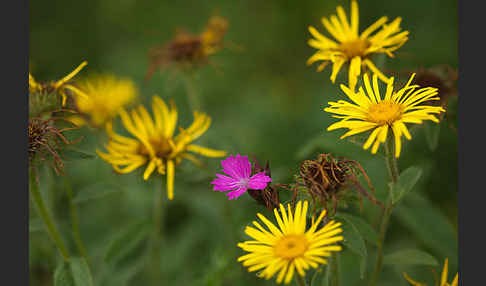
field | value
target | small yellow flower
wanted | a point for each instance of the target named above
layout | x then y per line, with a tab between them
289	247
352	47
99	99
155	145
369	111
443	279
58	86
213	34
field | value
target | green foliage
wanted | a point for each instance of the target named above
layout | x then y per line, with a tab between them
80	271
126	241
321	276
428	224
35	225
353	240
73	153
366	230
42	104
432	132
410	257
405	184
75	272
96	191
63	275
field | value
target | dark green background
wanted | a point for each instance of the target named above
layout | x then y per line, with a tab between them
264	100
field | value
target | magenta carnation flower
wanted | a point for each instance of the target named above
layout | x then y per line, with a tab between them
239	171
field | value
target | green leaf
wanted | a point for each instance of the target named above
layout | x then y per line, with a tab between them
96	191
428	223
410	257
366	230
63	276
354	241
80	272
35	225
432	132
321	276
127	240
74	153
405	184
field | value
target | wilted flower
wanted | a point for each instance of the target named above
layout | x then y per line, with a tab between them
370	112
187	49
155	145
289	247
46	142
326	178
352	47
54	86
240	180
100	98
443	279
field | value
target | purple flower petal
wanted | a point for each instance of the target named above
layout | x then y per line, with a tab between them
228	166
236	193
259	181
224	183
238	167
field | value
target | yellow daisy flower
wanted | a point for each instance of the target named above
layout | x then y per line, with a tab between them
443	279
99	99
369	111
289	247
155	145
352	47
58	86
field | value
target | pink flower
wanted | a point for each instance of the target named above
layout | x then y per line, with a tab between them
239	171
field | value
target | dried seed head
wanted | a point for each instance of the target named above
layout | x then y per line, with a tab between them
46	142
186	50
326	178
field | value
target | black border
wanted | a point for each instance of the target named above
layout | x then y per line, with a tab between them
14	22
471	193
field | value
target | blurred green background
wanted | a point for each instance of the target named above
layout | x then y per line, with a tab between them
264	100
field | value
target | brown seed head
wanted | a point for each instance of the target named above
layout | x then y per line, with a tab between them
326	178
46	142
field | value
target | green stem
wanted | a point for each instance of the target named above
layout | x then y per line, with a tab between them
75	220
46	218
155	262
334	270
192	95
391	164
391	161
300	280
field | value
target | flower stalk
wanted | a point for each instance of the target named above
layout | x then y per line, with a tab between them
157	216
46	218
392	168
75	220
334	270
300	280
192	95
